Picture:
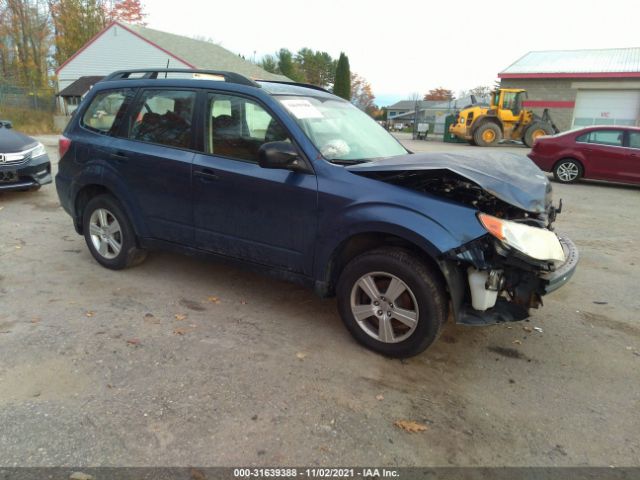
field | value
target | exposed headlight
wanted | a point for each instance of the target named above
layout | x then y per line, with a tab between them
38	151
534	242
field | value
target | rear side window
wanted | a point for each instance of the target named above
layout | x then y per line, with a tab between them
634	139
612	138
106	110
164	117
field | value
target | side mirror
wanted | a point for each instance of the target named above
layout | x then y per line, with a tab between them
281	155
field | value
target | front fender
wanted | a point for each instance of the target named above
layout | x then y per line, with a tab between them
441	227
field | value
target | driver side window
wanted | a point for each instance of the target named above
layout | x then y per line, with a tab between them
237	127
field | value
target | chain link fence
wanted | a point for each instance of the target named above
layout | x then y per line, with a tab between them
31	110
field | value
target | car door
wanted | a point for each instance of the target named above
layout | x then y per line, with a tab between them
632	171
266	216
154	149
604	154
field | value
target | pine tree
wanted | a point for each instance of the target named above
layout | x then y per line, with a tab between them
342	85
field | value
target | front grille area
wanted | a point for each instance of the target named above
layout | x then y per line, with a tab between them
12	159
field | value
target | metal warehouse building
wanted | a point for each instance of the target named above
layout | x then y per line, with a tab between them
580	87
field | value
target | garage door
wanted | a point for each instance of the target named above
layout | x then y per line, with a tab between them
606	107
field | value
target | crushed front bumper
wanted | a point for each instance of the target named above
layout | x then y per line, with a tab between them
528	284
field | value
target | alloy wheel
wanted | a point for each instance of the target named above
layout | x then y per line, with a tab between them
106	234
568	171
384	307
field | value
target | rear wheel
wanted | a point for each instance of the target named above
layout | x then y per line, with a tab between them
567	170
487	135
109	234
392	302
534	131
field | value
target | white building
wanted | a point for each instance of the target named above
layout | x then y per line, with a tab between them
120	46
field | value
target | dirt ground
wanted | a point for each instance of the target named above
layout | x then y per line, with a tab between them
184	362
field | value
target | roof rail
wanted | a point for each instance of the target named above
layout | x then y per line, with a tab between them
297	84
152	73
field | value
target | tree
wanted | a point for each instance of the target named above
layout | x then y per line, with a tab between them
481	91
287	67
129	11
342	83
269	63
362	95
317	67
439	94
25	41
75	22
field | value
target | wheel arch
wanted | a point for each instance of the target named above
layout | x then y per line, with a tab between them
91	190
362	242
486	119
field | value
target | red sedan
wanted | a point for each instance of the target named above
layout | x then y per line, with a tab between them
599	152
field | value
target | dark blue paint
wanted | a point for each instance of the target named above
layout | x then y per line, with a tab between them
289	221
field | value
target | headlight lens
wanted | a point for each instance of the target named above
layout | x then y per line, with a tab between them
38	151
534	242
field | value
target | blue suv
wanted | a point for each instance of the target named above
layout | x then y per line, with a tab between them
292	180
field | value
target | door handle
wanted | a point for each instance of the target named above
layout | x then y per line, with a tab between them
206	174
119	156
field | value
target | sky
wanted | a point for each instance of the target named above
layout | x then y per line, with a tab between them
406	47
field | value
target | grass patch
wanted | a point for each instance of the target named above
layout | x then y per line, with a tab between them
29	121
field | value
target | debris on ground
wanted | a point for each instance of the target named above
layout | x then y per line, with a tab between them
80	476
527	328
597	302
517	342
538	329
180	331
134	341
180	316
89	313
410	426
213	299
301	355
379	397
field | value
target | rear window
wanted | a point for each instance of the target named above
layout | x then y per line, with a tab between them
106	110
612	138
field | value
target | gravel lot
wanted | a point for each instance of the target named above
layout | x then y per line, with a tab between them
184	362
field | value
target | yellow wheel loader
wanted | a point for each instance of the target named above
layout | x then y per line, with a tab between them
504	119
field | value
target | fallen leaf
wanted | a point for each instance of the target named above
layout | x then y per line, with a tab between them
197	474
517	342
243	302
134	341
35	319
410	426
180	331
90	313
180	316
213	299
301	355
527	328
379	397
18	247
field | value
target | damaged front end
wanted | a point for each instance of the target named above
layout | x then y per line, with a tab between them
500	276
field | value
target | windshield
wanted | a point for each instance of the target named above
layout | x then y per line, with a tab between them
340	131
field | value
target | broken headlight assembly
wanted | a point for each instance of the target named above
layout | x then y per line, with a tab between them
534	242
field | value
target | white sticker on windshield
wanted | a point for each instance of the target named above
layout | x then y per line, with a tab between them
302	109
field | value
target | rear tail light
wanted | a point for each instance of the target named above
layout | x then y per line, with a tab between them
63	145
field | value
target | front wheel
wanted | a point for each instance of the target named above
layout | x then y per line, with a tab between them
392	302
535	131
109	234
567	171
487	135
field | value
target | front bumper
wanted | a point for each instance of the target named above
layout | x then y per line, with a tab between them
563	273
525	284
32	174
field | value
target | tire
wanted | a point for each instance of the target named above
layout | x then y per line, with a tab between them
102	241
535	130
567	170
422	298
487	135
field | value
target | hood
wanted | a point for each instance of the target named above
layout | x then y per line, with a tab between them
12	141
512	178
